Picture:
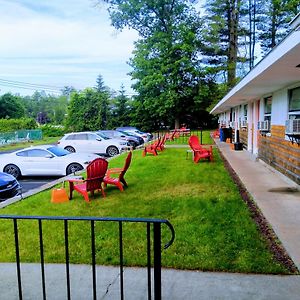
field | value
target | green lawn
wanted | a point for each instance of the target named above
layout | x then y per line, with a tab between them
214	231
45	140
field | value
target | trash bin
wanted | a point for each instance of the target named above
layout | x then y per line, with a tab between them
222	135
238	146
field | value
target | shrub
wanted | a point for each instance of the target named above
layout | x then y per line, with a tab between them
52	130
7	125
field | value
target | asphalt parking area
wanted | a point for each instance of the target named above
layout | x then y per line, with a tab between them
30	183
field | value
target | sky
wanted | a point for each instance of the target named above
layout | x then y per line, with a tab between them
59	43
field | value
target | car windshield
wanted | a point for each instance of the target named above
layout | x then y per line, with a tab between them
58	151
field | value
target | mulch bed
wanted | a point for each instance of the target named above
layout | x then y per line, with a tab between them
264	227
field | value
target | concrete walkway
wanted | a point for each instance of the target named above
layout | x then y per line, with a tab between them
277	197
176	285
279	201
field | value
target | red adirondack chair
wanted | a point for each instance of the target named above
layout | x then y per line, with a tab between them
95	174
199	151
152	148
119	181
171	136
161	144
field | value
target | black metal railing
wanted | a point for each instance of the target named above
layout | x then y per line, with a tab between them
151	240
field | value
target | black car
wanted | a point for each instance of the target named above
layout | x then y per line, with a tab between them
9	186
134	141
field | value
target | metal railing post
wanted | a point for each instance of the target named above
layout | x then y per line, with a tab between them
18	258
157	261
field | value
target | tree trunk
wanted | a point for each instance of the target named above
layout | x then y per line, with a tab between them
233	19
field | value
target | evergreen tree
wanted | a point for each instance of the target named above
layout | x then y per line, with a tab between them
223	37
121	111
103	97
273	23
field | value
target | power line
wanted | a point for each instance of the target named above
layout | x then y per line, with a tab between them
30	86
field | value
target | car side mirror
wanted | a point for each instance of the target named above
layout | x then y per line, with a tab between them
49	156
98	139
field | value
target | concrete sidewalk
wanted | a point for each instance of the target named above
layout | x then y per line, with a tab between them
176	285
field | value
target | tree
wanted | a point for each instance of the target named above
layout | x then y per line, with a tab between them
165	64
11	107
67	91
222	37
273	24
103	96
121	110
41	104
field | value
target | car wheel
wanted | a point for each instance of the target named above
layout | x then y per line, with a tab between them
74	167
112	151
70	149
12	170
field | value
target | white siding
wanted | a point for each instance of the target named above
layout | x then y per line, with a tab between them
279	107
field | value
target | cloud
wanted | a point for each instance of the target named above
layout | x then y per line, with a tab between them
60	42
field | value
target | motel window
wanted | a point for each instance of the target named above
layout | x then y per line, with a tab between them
294	103
267	108
245	111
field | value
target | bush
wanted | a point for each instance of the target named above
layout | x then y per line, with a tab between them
8	125
52	130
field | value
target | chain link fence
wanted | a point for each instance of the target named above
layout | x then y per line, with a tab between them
20	136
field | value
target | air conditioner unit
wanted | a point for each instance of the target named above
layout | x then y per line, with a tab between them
264	125
292	127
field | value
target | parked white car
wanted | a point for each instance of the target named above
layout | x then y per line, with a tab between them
45	160
93	143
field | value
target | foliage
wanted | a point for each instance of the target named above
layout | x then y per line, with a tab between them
223	37
214	230
7	125
120	109
273	22
169	78
88	110
11	107
103	98
46	108
52	130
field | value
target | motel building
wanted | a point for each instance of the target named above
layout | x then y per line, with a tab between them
263	109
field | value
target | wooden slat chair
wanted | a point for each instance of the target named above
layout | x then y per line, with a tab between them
171	136
152	148
118	181
199	151
95	174
161	144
